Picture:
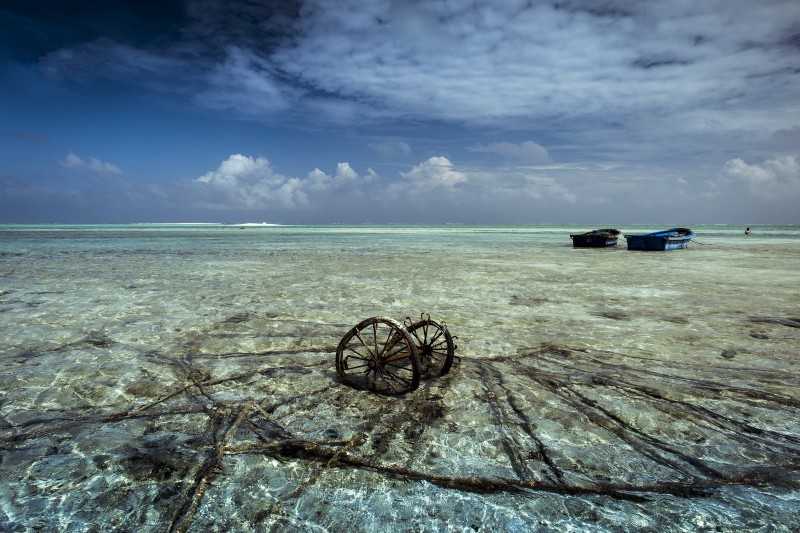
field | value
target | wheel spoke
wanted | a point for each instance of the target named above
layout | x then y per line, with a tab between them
443	341
399	367
358	364
386	342
387	363
353	346
388	381
364	343
438	356
419	341
398	378
358	355
397	356
396	348
438	334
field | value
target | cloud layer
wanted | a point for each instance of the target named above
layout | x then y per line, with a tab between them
434	173
73	161
770	179
246	182
524	152
250	183
607	106
464	62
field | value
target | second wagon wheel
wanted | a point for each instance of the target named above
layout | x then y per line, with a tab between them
378	354
435	346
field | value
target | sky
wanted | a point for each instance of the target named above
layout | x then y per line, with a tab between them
669	112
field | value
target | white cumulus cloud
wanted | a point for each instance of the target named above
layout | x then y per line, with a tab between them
769	179
248	182
251	183
72	160
435	172
344	177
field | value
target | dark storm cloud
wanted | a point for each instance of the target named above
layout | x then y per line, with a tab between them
258	25
33	29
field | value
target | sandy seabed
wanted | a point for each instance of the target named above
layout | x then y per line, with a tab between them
182	379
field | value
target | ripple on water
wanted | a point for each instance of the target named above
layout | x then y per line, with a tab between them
185	378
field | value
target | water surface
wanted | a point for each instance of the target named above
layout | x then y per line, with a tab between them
159	376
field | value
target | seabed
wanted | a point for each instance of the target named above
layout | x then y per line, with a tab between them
184	380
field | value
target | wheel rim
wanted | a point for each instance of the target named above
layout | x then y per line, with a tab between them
435	347
378	354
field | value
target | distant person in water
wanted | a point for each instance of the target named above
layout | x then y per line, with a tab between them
747	232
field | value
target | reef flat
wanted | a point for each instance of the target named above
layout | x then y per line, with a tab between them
182	379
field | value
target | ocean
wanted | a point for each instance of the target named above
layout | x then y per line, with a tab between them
182	377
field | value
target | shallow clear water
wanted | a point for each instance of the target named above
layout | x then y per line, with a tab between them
157	376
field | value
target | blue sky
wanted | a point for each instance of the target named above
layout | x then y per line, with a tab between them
575	111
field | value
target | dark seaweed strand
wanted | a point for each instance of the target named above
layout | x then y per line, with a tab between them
310	451
739	430
220	416
528	427
207	472
703	385
510	446
700	383
644	443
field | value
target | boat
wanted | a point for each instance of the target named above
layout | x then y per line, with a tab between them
599	238
671	239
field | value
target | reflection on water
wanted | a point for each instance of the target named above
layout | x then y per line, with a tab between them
159	377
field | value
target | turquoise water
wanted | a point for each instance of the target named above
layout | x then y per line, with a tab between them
162	375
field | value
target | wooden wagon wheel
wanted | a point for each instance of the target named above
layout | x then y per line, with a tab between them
378	354
435	346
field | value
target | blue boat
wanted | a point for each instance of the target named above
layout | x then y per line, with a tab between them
671	239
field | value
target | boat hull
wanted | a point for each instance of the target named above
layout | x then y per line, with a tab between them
593	241
648	243
599	238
